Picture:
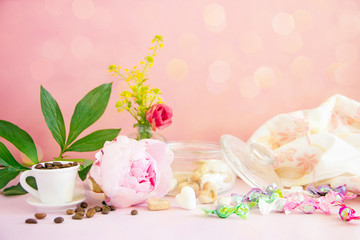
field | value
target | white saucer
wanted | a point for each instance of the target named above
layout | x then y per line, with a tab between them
78	198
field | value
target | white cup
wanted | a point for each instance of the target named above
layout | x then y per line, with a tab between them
55	186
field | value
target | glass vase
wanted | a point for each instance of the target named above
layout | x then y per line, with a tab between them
146	132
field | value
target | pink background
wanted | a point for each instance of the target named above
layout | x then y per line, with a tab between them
226	66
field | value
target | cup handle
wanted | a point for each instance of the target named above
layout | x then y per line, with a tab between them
26	186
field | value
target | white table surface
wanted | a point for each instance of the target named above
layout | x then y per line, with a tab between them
174	223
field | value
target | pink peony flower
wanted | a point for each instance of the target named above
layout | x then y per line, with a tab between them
129	171
159	116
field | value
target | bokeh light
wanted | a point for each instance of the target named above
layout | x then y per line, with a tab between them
214	17
248	88
347	53
302	66
265	77
188	43
149	11
216	87
53	49
227	52
303	20
219	71
82	47
348	74
83	9
350	22
101	18
250	43
283	23
330	71
323	6
177	69
291	43
55	7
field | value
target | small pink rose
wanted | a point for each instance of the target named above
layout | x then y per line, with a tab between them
129	171
159	116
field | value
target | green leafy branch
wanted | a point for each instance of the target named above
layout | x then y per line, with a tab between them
87	111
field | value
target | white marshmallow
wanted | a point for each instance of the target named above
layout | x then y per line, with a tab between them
186	199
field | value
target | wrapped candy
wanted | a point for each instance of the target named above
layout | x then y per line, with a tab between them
267	201
224	211
309	205
277	205
272	199
269	195
346	213
322	190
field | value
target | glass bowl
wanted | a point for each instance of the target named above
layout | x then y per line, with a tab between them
198	162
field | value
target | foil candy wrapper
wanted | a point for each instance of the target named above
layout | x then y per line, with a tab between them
322	198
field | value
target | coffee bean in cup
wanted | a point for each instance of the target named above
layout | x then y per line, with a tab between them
55	165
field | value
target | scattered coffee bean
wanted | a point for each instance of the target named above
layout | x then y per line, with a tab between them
40	215
31	221
74	163
38	166
97	209
134	212
70	211
112	208
77	216
57	163
58	220
79	209
84	205
90	212
81	213
105	210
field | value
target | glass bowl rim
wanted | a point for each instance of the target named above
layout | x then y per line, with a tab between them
184	148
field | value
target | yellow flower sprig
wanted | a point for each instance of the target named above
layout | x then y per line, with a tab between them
140	97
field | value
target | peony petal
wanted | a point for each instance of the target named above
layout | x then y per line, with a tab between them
132	171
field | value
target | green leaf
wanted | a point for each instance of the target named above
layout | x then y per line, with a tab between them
7	160
89	110
7	174
20	139
94	141
18	190
53	117
84	169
